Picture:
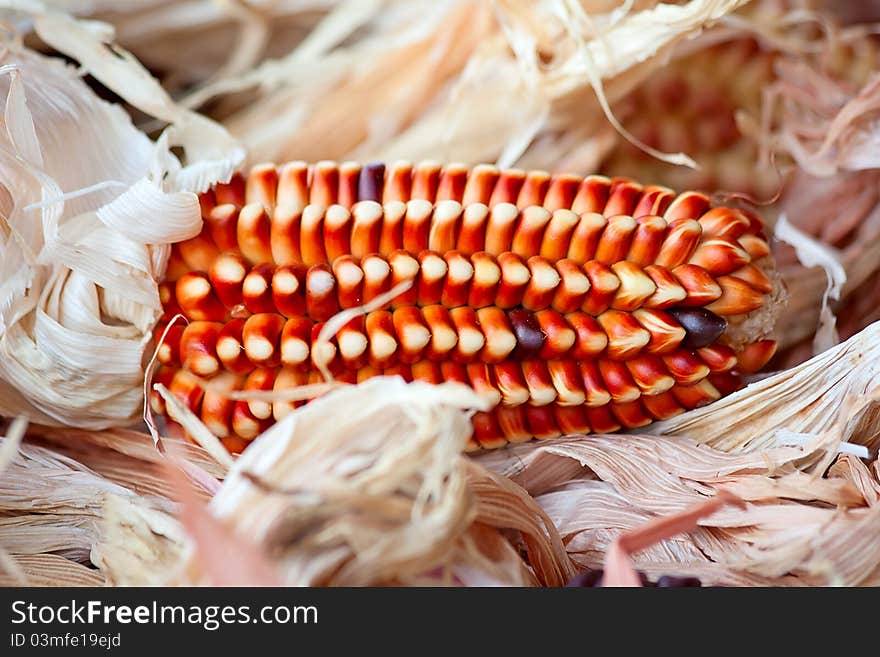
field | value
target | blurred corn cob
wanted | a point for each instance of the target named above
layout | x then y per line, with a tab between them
691	106
573	304
711	98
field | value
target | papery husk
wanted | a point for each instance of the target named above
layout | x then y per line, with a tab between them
82	247
96	506
773	541
833	193
804	524
54	505
384	496
188	42
802	92
465	80
833	395
618	567
111	454
805	102
51	570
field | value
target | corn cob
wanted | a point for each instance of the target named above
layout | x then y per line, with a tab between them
573	304
699	103
691	106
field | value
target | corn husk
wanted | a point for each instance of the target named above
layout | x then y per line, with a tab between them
463	80
777	539
835	175
94	506
398	504
186	42
82	247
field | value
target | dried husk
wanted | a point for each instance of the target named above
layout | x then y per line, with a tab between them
608	484
837	177
833	396
400	504
802	93
51	570
804	523
384	496
190	41
464	80
82	247
55	505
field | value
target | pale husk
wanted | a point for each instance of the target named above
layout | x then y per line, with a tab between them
832	396
384	496
399	504
819	113
827	127
54	505
190	41
457	81
52	570
82	247
801	525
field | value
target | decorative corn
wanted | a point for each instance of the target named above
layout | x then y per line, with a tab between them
574	304
691	106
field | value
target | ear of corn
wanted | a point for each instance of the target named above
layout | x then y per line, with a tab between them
573	304
691	106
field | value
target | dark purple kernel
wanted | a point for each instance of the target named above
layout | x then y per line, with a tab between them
672	582
586	579
702	327
591	578
371	182
529	336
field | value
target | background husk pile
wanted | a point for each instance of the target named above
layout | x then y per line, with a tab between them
383	495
